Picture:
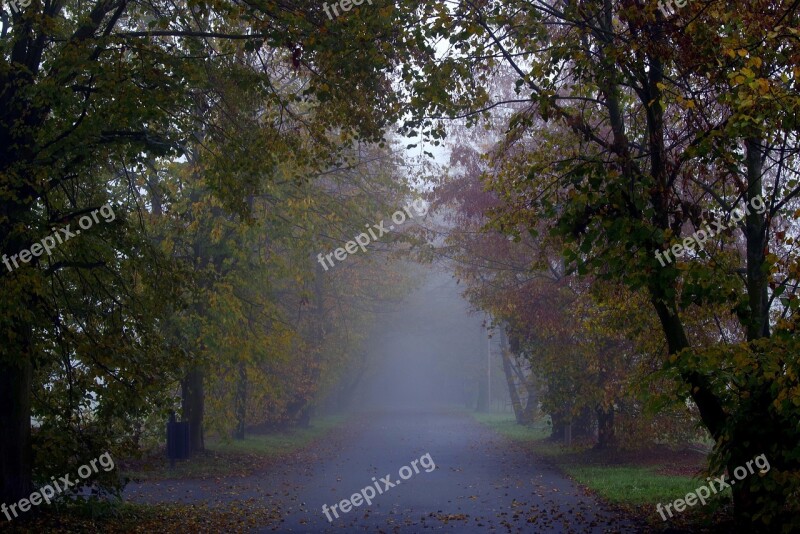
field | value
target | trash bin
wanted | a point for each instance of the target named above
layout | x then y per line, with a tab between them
178	442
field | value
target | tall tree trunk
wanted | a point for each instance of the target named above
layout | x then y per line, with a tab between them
468	394
583	424
300	409
532	403
757	323
532	400
15	421
709	406
606	437
304	421
559	425
346	391
483	399
507	370
711	411
241	401
755	320
296	410
193	405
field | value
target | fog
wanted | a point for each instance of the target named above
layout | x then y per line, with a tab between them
426	352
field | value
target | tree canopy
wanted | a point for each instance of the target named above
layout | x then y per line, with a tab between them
235	141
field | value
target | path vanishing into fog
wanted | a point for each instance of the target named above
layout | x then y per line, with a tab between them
481	483
424	352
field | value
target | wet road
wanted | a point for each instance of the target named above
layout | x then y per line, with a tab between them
422	351
481	483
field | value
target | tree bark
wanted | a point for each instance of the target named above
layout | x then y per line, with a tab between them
241	402
15	421
559	424
757	321
532	403
583	424
304	421
606	437
193	405
296	411
529	413
516	403
710	407
483	402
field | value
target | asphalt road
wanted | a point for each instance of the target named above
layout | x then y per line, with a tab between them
422	351
481	483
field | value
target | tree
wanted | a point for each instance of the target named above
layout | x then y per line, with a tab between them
93	93
639	131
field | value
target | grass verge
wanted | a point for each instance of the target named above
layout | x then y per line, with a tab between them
222	458
635	482
635	485
232	457
506	425
126	518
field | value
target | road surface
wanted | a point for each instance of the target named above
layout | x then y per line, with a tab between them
481	483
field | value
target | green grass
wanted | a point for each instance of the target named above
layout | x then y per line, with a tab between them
506	425
122	517
626	485
234	457
270	445
631	484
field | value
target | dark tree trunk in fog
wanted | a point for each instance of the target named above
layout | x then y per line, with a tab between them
577	427
516	403
467	395
304	421
297	411
483	398
559	425
241	402
605	428
528	414
193	406
301	409
346	391
583	424
15	428
531	407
